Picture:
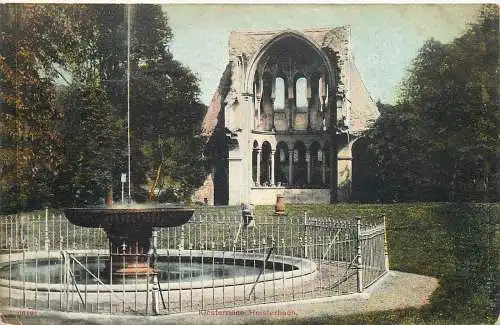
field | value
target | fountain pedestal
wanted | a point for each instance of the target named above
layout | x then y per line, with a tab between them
129	230
128	248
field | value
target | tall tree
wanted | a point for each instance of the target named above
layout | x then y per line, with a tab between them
440	141
33	40
90	133
165	114
63	69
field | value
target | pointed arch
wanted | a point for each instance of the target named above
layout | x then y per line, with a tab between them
249	79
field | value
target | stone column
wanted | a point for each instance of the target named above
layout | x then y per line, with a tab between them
309	102
323	167
272	167
273	97
254	109
308	162
240	165
258	100
290	167
322	92
273	128
322	96
258	167
290	106
323	115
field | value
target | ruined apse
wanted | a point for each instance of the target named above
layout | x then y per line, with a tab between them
287	111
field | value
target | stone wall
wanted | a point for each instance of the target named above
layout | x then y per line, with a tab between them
267	195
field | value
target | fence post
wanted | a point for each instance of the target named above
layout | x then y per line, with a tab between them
154	278
305	235
16	219
46	229
181	242
386	253
64	281
359	262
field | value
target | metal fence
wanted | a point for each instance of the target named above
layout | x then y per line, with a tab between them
216	260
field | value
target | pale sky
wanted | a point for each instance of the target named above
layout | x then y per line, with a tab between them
385	38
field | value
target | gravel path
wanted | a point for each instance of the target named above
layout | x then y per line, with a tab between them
395	290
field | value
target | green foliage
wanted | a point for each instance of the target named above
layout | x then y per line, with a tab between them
167	116
63	95
469	290
151	32
31	44
455	243
440	141
90	135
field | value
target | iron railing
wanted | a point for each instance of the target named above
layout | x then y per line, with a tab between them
213	261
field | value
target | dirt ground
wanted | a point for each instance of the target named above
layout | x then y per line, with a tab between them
395	290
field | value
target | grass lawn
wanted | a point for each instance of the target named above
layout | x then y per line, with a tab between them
456	243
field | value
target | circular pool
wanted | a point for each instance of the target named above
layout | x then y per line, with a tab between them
177	269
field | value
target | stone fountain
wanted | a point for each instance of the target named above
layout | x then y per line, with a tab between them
129	229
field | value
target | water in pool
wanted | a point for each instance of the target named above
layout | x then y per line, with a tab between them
171	270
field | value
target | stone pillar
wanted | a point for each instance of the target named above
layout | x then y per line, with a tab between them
257	91
323	115
323	167
258	100
273	128
290	106
290	167
322	92
240	160
254	108
273	97
322	96
308	162
258	167
272	167
309	102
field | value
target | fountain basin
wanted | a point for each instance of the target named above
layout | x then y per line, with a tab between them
129	229
104	217
220	269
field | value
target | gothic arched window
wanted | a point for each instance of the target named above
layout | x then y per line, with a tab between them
279	101
301	92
